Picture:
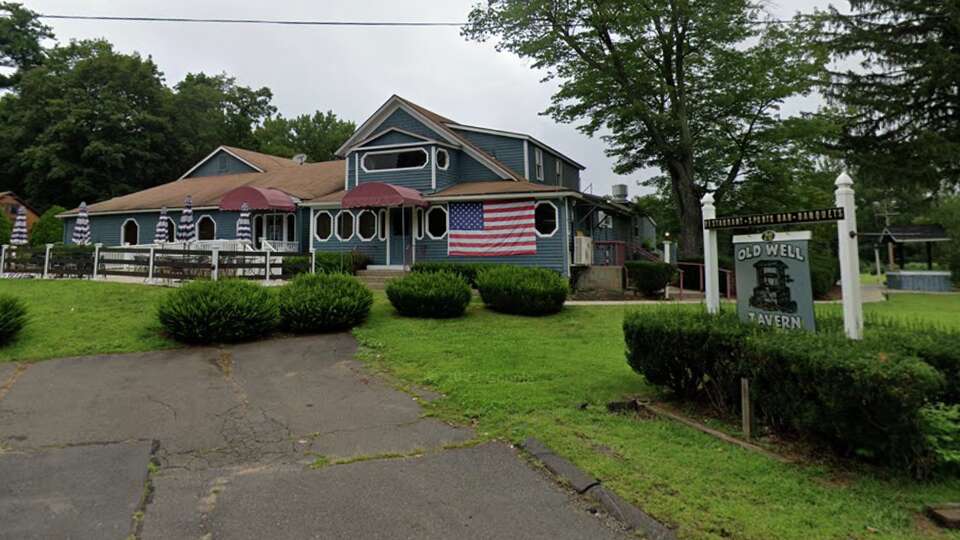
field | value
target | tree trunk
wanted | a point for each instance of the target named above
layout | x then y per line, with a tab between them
686	195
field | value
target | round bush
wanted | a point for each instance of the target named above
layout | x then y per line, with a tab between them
649	277
323	303
522	291
436	295
218	312
13	315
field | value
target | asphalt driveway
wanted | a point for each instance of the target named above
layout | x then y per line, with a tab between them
219	443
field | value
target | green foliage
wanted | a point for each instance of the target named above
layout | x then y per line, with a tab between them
862	398
468	271
323	303
649	277
522	291
938	348
941	428
6	228
13	316
21	36
824	272
341	262
294	266
318	135
48	229
434	294
224	311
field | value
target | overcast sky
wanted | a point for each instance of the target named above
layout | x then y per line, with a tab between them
352	71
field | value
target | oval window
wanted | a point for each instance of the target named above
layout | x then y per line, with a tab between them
545	218
324	226
443	158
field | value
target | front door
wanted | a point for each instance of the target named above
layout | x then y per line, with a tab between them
401	237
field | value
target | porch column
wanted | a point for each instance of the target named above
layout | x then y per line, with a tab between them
710	262
416	225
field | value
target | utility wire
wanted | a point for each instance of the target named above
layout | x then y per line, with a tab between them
249	21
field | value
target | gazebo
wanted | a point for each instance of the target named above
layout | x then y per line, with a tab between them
898	238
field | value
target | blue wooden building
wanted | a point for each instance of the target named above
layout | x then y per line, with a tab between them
401	177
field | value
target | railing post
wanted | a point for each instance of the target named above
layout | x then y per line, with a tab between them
96	259
313	261
266	255
150	265
215	255
711	265
849	258
46	261
3	257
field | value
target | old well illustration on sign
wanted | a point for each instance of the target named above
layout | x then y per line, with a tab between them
773	280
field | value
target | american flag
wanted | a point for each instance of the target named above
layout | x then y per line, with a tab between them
492	228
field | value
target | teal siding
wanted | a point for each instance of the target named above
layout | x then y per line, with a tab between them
571	174
402	120
215	166
446	178
393	137
106	229
507	150
472	170
375	250
419	179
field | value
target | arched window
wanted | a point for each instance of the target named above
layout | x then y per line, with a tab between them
206	228
171	230
130	232
437	222
345	225
367	225
323	226
546	219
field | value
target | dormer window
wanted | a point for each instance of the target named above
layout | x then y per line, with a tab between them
394	160
538	163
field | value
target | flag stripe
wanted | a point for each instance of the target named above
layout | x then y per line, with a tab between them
492	228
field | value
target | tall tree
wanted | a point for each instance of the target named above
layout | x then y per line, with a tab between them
317	135
688	86
214	110
88	124
901	91
21	41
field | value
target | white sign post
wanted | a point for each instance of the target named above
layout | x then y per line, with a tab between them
710	262
849	258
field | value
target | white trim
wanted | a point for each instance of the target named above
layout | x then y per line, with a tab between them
386	245
420	219
447	216
379	134
196	226
447	166
312	234
433	167
556	226
124	226
394	103
356	169
386	267
336	225
538	163
426	161
558	170
405	145
526	159
515	135
376	225
567	246
439	198
346	174
206	159
313	224
788	236
382	225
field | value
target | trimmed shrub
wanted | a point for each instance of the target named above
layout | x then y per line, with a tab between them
224	311
522	291
939	348
13	316
48	229
294	266
323	303
340	262
436	295
468	271
649	277
686	350
941	429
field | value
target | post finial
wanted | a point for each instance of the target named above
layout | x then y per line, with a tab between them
707	199
844	180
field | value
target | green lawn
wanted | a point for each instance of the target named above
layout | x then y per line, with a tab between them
515	377
75	318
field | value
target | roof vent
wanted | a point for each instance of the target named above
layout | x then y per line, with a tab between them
300	158
620	192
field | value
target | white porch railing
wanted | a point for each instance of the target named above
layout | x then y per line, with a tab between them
280	245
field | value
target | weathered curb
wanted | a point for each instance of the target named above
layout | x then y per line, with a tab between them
584	484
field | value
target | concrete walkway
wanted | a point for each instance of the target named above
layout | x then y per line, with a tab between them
218	443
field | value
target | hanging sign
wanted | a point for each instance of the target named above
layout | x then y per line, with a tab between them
773	280
779	218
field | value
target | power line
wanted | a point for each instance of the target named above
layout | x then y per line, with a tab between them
249	21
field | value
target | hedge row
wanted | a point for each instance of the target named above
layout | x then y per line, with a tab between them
327	263
13	316
229	311
468	271
890	400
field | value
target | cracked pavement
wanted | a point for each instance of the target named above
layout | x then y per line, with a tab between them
218	442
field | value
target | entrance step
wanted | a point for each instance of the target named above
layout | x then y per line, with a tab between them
376	279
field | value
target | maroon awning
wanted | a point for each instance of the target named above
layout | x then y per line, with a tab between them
258	199
380	194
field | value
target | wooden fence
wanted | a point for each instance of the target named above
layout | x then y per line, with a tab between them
150	263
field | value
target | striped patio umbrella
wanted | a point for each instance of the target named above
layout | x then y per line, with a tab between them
163	228
81	228
19	235
244	234
187	228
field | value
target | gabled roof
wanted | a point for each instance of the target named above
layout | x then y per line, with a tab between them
473	190
448	129
905	234
307	181
19	200
258	161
